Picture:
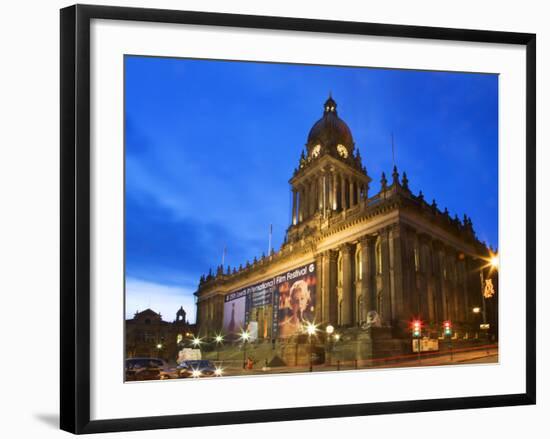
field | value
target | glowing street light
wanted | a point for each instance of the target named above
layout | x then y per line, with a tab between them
328	350
494	262
159	346
311	329
219	340
245	336
476	310
196	342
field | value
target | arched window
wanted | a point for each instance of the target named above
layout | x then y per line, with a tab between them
358	264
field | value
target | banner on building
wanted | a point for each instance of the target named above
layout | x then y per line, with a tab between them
234	313
294	303
289	297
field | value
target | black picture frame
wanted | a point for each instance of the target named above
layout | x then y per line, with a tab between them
75	217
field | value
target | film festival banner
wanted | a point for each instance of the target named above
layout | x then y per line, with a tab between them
294	300
291	296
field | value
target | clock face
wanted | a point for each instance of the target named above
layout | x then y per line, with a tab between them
342	150
316	151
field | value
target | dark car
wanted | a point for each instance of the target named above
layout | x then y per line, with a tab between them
144	369
197	369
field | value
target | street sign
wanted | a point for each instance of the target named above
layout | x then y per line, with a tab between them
426	345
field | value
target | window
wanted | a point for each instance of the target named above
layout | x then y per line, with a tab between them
358	264
416	258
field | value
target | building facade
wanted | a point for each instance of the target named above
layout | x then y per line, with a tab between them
148	335
375	260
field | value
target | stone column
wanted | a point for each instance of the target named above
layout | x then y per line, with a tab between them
351	200
343	193
329	291
347	296
314	197
386	307
399	301
307	199
311	201
426	288
368	289
320	194
442	282
294	207
319	293
464	290
300	204
457	315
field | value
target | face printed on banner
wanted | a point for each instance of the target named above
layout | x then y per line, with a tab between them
299	297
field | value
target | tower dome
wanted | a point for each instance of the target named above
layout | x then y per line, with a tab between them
330	131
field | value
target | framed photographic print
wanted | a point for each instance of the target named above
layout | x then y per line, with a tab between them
285	218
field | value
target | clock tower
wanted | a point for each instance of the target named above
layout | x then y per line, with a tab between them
330	177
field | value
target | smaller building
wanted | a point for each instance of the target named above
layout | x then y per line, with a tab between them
148	335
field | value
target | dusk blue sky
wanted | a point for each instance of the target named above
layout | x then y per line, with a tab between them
211	145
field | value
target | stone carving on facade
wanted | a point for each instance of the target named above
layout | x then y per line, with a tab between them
373	320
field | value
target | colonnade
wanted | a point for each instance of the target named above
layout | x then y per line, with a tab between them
401	275
328	191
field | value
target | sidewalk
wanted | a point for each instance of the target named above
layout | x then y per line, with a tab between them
489	355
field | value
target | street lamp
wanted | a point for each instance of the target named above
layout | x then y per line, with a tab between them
311	329
329	330
219	340
245	336
494	262
196	342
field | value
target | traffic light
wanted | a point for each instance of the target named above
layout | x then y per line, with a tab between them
416	328
447	328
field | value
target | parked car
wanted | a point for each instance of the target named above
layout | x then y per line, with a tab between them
144	369
197	369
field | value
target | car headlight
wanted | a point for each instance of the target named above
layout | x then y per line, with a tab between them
196	373
218	372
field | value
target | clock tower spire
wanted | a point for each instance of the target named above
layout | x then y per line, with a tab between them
330	177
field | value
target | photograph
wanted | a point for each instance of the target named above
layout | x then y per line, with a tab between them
294	218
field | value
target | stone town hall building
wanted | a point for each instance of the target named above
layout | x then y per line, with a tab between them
391	252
